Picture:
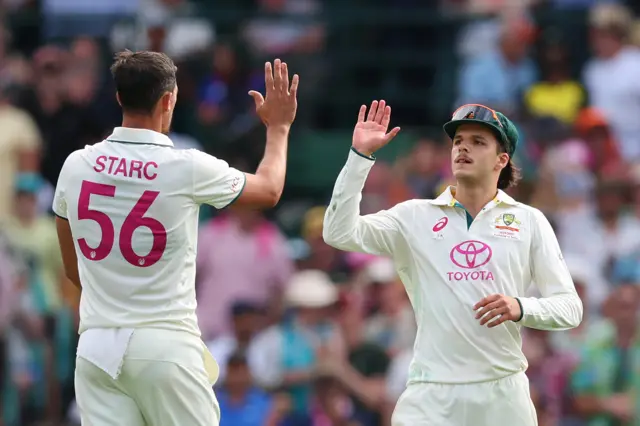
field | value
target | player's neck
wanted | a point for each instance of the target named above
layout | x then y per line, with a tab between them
142	122
474	198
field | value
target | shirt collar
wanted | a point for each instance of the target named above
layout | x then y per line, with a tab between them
447	198
139	136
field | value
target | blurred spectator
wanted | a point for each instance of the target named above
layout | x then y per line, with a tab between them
570	342
294	31
244	404
286	355
501	77
383	189
602	232
610	75
396	380
224	109
423	167
167	26
392	324
603	382
66	127
593	128
274	33
33	236
20	148
247	320
362	375
548	374
241	256
8	297
557	94
320	255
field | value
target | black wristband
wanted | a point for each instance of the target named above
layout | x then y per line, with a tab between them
371	157
521	310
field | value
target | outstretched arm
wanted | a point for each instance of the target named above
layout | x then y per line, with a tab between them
344	228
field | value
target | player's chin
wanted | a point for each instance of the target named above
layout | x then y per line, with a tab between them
463	171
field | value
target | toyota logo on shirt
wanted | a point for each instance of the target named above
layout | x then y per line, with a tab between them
471	254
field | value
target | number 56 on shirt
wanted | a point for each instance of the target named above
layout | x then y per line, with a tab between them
134	220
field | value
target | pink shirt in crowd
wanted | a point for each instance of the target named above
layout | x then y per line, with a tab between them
234	265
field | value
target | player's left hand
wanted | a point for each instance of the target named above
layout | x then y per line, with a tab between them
495	309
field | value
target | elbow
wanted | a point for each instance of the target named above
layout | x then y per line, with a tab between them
330	236
576	320
272	198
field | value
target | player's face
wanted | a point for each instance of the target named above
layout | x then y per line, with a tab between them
171	100
475	155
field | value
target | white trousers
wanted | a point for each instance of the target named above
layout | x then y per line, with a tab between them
163	382
506	401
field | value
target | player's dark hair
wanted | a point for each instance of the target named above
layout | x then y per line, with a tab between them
509	176
142	78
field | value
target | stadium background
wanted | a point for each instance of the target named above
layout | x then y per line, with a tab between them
330	347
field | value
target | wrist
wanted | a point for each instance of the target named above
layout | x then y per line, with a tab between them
278	128
521	309
363	153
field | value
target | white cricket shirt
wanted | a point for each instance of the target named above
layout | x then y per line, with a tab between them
132	202
448	265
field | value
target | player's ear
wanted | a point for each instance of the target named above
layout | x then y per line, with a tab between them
167	101
503	160
118	98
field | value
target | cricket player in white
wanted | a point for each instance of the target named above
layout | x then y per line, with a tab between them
127	222
466	259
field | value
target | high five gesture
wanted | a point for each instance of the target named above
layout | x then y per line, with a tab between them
371	134
280	105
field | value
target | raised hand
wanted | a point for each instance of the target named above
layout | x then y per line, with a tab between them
371	134
280	106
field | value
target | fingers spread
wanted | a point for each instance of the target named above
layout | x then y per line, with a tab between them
372	111
380	112
361	113
257	98
268	77
294	86
277	74
392	134
386	117
285	78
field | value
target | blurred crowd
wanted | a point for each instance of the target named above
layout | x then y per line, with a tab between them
304	334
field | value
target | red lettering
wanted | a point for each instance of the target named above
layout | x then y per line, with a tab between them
146	173
122	168
113	160
136	166
99	167
128	168
471	276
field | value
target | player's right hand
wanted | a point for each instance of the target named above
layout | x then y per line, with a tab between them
279	106
371	134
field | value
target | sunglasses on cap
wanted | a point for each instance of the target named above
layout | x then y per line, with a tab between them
476	112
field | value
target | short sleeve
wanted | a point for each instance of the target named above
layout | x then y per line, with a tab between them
59	198
214	181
